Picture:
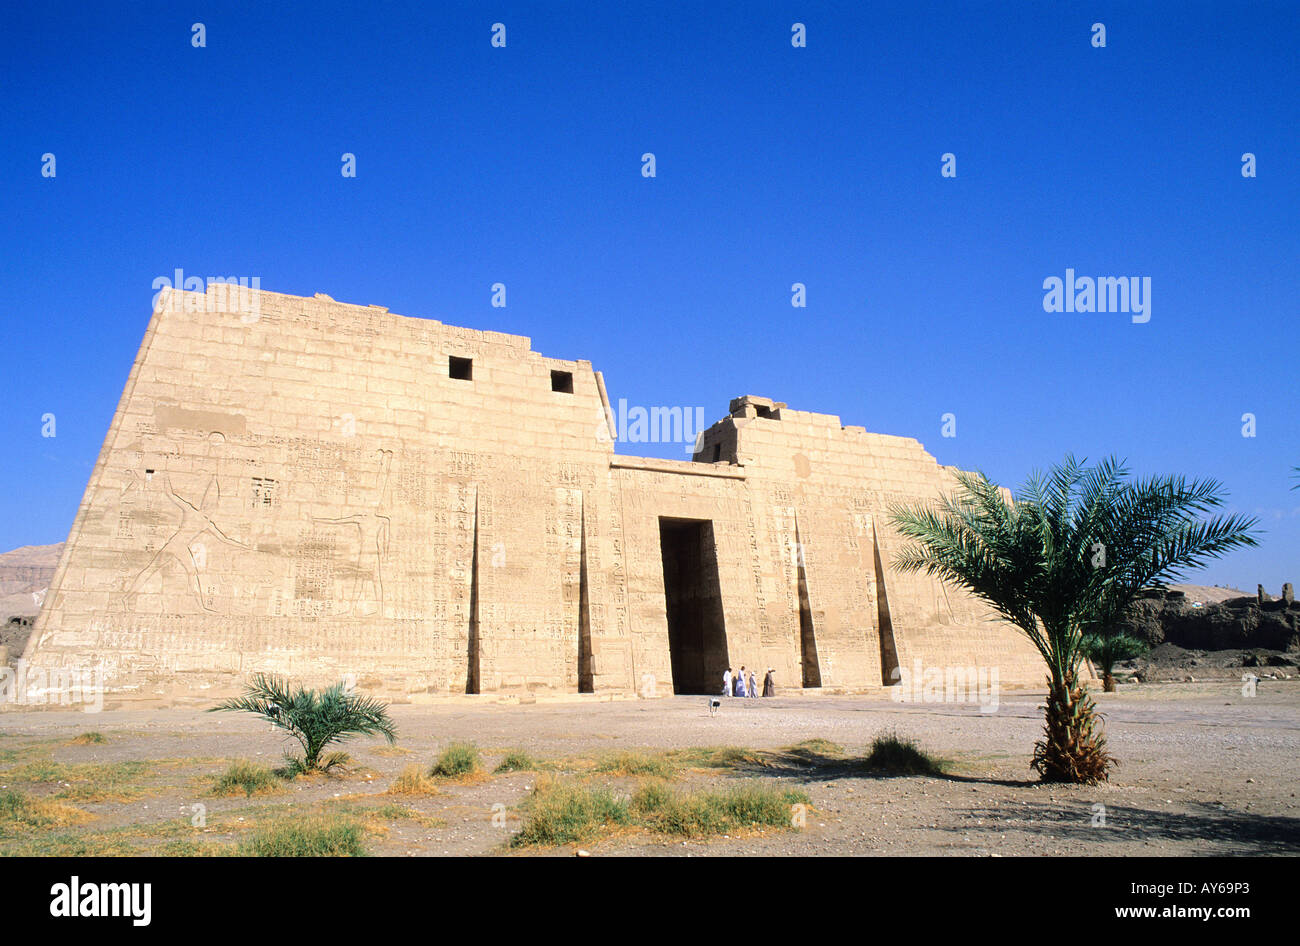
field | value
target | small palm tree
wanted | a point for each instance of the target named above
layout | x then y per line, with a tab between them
316	720
1063	559
1107	649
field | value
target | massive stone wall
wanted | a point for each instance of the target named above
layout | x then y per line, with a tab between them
319	489
826	490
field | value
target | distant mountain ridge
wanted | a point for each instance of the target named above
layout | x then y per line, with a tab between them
25	573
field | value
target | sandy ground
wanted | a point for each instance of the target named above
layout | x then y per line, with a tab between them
1203	770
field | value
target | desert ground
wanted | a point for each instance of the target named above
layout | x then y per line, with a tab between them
1203	769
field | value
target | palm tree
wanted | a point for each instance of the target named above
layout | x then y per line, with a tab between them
316	720
1061	560
1107	648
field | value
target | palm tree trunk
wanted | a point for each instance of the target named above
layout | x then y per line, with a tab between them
1073	748
1107	681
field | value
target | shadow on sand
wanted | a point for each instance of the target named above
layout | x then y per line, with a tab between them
815	764
1230	831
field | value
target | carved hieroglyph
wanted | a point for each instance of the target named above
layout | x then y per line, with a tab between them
317	491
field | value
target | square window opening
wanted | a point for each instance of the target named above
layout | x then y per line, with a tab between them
462	369
562	381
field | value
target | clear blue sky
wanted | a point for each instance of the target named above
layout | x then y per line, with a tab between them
775	165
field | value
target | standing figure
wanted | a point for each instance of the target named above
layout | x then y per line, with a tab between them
374	527
769	684
753	685
740	683
726	682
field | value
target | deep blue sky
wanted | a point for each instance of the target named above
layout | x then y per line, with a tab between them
775	165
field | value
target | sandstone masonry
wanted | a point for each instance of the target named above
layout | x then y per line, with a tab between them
331	491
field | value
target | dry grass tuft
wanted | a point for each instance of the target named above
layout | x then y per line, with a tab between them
413	781
635	764
88	781
89	739
23	811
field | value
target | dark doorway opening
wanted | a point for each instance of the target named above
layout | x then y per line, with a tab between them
697	634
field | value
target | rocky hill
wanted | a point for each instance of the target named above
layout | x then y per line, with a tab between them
1200	618
1200	633
25	573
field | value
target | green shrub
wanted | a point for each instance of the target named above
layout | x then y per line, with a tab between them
317	836
457	760
759	805
704	814
897	755
565	813
90	739
517	761
251	778
651	799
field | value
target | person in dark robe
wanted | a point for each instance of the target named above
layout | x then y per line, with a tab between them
769	684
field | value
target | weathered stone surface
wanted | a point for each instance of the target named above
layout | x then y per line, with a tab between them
322	490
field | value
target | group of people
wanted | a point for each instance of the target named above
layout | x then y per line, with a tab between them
740	685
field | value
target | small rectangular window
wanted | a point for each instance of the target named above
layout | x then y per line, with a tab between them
562	381
462	369
717	452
